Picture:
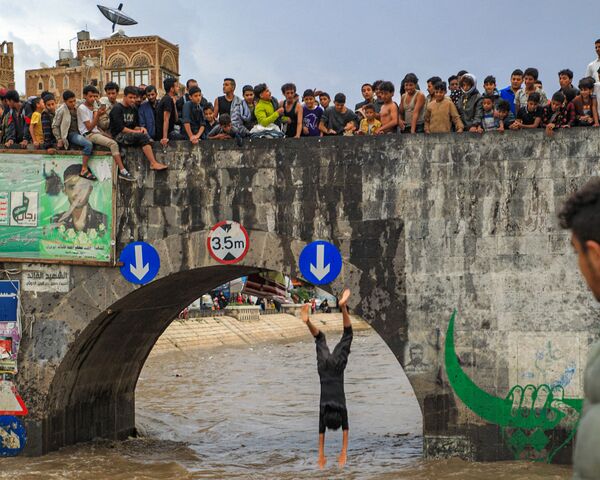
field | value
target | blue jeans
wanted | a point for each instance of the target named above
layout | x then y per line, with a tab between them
79	140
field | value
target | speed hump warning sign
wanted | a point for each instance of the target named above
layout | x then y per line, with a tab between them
228	242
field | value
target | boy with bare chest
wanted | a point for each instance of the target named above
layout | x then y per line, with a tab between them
389	110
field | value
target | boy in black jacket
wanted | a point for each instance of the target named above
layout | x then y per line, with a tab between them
125	129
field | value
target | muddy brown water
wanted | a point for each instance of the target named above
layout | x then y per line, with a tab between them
251	413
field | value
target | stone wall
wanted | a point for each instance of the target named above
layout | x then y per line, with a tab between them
425	224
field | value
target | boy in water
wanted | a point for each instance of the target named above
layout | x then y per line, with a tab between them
332	412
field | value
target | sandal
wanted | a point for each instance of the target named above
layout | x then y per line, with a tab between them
88	175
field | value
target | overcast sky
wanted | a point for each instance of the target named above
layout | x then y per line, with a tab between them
334	45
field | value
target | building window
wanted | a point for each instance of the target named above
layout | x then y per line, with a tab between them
141	77
52	84
119	77
66	82
166	75
40	85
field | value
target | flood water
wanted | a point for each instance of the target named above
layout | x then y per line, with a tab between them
252	413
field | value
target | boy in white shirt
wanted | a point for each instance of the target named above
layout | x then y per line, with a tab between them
87	122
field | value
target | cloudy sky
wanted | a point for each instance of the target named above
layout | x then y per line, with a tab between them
335	45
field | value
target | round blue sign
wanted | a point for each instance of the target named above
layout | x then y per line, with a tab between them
13	436
141	263
320	262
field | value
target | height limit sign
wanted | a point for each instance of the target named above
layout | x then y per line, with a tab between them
228	242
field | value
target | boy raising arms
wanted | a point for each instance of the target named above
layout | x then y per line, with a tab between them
333	413
389	110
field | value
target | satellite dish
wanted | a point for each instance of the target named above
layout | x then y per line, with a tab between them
116	16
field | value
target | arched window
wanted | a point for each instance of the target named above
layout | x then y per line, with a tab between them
118	74
65	81
52	83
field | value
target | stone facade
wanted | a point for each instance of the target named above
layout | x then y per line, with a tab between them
125	60
7	66
425	224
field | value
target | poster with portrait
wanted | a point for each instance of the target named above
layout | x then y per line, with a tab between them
49	212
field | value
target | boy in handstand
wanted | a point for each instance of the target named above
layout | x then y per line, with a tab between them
332	412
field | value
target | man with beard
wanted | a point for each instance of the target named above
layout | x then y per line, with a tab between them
581	215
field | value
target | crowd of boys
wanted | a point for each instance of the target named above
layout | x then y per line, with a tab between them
141	118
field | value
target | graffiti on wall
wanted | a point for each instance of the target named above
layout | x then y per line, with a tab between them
528	414
12	431
417	363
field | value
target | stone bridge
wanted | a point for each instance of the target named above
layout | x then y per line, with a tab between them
425	224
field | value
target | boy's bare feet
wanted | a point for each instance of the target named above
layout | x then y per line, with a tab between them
344	298
158	166
304	312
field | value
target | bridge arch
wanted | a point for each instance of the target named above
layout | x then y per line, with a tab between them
92	394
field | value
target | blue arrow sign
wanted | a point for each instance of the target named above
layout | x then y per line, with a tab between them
16	436
320	262
141	262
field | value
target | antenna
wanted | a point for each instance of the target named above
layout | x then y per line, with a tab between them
116	16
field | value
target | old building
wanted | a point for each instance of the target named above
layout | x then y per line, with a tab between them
7	66
119	58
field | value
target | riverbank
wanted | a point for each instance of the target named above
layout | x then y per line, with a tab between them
224	331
